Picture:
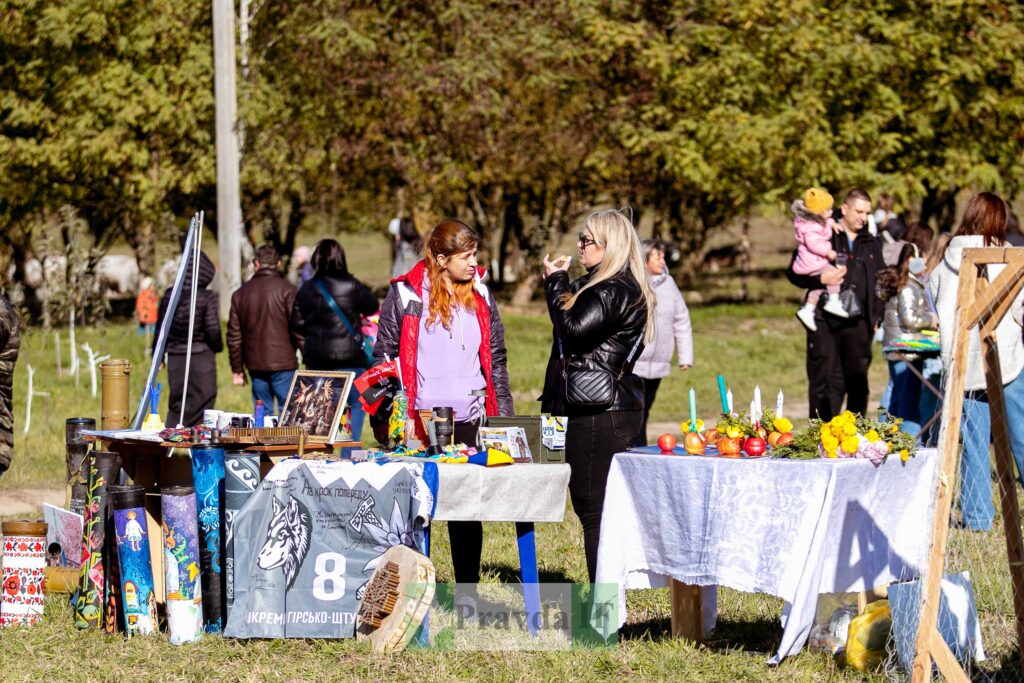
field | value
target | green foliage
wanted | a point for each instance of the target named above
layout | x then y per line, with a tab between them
515	117
106	106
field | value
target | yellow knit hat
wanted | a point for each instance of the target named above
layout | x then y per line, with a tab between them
817	200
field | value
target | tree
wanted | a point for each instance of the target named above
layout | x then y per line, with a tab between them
107	107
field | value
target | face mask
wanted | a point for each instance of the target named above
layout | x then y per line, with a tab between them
916	265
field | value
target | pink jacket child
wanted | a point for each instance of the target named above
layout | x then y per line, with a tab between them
814	226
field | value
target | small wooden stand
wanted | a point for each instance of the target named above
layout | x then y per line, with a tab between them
687	611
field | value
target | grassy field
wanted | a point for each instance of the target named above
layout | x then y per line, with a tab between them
751	344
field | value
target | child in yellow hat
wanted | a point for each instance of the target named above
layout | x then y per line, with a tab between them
814	226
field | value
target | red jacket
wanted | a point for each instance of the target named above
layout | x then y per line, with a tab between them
398	335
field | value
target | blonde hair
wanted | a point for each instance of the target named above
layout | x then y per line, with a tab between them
622	252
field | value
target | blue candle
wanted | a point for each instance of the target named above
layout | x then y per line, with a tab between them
693	410
721	394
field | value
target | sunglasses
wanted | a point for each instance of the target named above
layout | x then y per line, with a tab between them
585	241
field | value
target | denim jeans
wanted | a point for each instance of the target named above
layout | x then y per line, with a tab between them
358	414
929	403
591	442
976	508
268	385
906	395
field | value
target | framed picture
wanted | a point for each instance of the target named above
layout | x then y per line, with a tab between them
316	401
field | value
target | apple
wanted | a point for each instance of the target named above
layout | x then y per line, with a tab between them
711	435
667	443
754	445
773	439
784	439
729	447
694	443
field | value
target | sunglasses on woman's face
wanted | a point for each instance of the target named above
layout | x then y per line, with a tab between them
584	241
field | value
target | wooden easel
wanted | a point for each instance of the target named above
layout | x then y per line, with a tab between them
980	304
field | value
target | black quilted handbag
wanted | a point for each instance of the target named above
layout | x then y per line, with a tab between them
590	387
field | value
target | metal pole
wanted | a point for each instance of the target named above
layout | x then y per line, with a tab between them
229	210
194	226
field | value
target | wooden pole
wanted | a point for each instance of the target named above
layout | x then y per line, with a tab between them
229	210
1000	433
949	451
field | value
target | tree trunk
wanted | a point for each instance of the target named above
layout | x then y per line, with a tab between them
143	241
939	206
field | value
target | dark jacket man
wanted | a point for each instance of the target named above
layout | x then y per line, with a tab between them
839	351
258	336
10	342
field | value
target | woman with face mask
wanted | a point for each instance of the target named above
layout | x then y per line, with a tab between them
907	314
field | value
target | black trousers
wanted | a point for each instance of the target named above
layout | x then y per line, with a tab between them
650	392
202	387
590	443
837	366
466	538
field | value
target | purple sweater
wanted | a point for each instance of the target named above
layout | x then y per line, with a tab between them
448	363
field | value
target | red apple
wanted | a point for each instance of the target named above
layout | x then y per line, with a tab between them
784	439
666	442
754	445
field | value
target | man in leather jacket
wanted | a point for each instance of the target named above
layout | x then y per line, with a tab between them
258	336
839	351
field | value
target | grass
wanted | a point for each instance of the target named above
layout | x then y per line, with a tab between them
751	344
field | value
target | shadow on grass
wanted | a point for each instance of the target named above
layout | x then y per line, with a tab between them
508	574
757	636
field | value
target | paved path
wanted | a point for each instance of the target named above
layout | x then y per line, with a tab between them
28	502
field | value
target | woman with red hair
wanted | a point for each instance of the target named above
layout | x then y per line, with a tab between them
983	225
442	324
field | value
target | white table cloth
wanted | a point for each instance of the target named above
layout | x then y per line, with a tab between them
792	529
522	492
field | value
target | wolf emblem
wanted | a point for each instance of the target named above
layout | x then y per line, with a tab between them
287	539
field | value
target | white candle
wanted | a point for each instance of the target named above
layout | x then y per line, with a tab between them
728	399
778	404
757	403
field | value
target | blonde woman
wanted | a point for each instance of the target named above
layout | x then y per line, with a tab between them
601	323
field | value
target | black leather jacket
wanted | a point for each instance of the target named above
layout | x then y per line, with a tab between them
598	331
323	338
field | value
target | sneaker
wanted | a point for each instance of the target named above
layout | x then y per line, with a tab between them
806	316
835	307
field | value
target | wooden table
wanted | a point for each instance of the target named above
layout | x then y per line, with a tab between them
156	465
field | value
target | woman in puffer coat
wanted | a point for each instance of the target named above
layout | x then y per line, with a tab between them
672	330
601	322
206	341
907	313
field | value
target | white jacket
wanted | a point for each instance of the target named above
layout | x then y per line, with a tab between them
671	323
943	283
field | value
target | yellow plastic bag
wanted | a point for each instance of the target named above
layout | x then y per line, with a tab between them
869	632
